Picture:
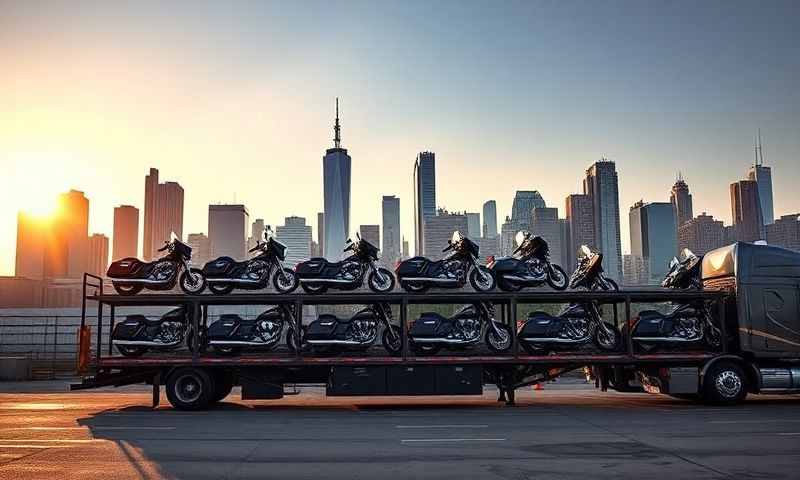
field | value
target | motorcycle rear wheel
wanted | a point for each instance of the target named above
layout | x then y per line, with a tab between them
131	350
218	289
128	290
507	286
422	349
227	351
534	349
314	289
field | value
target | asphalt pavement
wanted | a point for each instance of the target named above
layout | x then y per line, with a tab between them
566	431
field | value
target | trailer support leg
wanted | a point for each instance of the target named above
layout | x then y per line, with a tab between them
156	389
511	393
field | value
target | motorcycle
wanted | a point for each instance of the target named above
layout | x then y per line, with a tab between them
225	274
528	266
318	274
687	324
137	334
130	275
417	274
431	332
230	334
331	334
590	266
576	324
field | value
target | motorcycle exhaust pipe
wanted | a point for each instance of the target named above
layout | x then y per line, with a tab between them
146	343
445	340
666	339
237	342
335	342
549	340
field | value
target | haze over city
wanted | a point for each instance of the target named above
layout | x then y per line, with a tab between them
237	104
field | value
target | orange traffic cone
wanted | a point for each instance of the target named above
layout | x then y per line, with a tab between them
538	386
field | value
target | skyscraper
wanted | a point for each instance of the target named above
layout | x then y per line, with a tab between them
32	237
507	233
746	211
763	177
601	184
371	233
201	248
785	232
439	229
701	234
296	235
336	186
489	219
98	255
524	203
126	232
391	249
473	225
580	217
256	233
424	196
405	248
163	213
544	222
681	201
227	230
653	239
321	233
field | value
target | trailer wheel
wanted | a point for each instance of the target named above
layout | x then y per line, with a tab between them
724	384
190	388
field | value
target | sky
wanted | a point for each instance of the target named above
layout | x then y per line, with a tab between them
235	101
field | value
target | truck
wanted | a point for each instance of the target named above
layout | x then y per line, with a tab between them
754	291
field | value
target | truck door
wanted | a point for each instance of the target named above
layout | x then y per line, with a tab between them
775	317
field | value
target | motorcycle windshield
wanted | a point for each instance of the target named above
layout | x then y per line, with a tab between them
182	249
278	248
471	247
368	249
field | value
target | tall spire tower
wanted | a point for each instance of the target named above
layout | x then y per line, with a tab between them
337	139
762	175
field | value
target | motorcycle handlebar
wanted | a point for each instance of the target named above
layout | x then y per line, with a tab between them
164	247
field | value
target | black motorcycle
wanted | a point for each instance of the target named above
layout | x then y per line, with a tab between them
231	334
431	332
137	334
590	266
528	266
318	274
130	275
225	274
687	324
578	323
417	274
330	334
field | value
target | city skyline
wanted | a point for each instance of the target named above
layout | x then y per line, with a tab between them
191	117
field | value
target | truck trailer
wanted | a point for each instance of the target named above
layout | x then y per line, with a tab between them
753	291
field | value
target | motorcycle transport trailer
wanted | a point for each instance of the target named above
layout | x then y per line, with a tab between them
761	353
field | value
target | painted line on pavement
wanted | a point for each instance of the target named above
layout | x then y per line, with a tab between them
443	440
440	426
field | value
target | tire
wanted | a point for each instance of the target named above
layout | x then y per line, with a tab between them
725	383
393	347
507	286
227	351
412	287
608	344
386	286
190	288
314	289
424	349
218	289
561	282
495	344
190	388
223	385
131	350
482	283
128	290
285	281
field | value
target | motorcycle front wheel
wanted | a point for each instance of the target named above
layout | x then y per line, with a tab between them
608	341
392	345
128	290
498	343
383	283
193	282
557	278
482	279
285	281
